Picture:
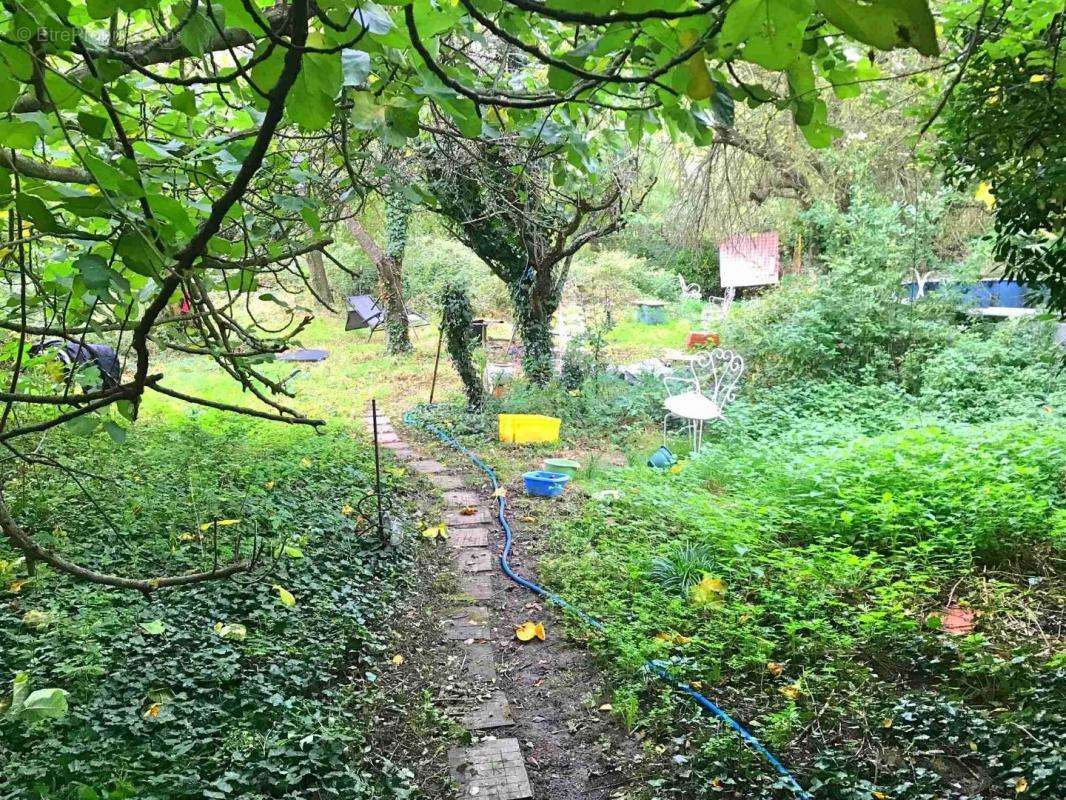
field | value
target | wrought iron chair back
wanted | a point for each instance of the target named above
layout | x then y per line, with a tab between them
718	374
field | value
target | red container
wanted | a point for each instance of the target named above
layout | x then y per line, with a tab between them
702	339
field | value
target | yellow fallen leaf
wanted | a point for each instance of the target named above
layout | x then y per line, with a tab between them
284	595
675	469
775	668
190	537
886	722
1021	786
397	659
1037	78
153	710
574	393
529	630
347	510
984	195
436	531
792	691
879	795
226	630
606	707
305	462
672	638
467	511
500	492
529	519
708	590
16	586
269	485
221	523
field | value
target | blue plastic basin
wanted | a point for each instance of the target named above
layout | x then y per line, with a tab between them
545	484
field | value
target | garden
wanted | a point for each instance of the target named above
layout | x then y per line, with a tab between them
505	399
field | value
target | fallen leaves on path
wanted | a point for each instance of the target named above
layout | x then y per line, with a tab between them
529	630
436	531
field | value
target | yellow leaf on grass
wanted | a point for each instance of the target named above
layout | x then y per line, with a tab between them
1021	786
347	510
879	795
436	531
886	722
397	659
269	485
500	492
675	469
672	638
529	630
1037	78
984	195
792	691
529	519
775	668
153	710
190	537
284	595
708	590
221	523
16	586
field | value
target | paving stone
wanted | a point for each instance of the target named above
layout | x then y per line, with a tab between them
427	467
467	623
492	770
480	518
395	444
478	586
490	714
388	438
462	497
478	662
474	560
468	537
445	481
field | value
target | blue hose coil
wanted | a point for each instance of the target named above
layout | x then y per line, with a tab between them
410	418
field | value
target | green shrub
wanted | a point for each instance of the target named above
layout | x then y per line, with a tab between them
992	370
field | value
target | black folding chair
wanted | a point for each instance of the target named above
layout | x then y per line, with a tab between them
365	312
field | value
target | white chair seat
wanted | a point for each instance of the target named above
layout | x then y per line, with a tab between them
692	405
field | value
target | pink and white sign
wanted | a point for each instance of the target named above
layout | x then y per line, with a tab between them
749	260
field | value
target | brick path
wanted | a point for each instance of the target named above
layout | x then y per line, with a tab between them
492	768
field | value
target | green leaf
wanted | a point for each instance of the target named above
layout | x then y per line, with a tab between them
770	31
20	690
18	135
94	271
355	65
185	102
44	704
115	431
200	30
154	628
34	209
101	9
91	125
886	24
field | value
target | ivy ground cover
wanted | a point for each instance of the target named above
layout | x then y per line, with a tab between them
258	686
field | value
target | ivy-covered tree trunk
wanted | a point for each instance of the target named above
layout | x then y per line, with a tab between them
390	272
456	317
535	299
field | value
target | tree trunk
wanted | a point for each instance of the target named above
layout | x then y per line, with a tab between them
319	282
535	299
390	279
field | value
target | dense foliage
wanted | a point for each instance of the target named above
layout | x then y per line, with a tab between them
253	687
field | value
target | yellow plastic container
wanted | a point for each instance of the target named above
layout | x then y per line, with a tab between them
529	428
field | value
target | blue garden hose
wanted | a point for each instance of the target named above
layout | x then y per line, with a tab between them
412	419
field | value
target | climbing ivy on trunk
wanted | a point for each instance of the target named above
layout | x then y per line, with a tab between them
390	271
456	317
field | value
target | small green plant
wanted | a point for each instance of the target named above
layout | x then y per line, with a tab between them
682	566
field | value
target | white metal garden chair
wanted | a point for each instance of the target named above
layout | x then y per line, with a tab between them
689	291
704	394
717	308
